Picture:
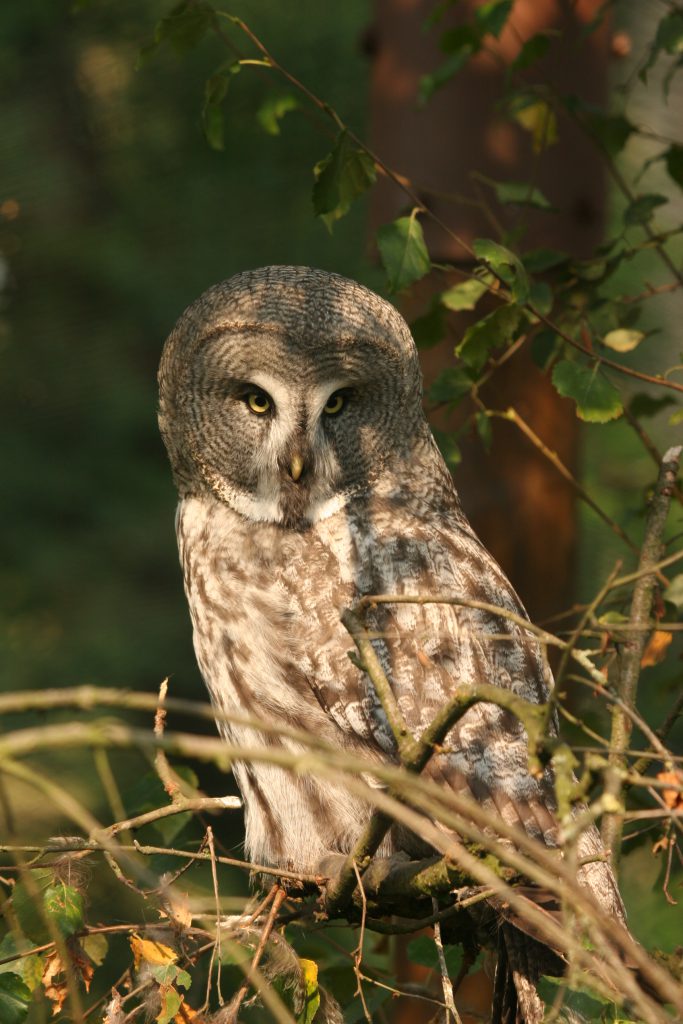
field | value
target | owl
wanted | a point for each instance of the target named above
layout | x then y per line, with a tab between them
290	406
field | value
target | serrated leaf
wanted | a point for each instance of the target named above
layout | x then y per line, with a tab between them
641	209
309	969
648	405
171	1002
451	385
342	176
597	401
521	193
532	50
15	998
623	339
674	163
430	328
273	109
64	905
537	117
492	332
505	264
215	91
403	252
171	974
465	295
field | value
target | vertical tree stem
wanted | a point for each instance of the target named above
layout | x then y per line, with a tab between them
632	648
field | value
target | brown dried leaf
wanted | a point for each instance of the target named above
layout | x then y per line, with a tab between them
55	990
656	648
673	798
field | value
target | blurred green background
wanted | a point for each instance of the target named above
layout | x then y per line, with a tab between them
114	215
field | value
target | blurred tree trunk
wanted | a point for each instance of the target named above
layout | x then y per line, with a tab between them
522	509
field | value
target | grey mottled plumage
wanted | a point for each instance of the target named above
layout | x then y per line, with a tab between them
269	561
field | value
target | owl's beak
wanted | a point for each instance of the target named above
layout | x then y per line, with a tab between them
296	466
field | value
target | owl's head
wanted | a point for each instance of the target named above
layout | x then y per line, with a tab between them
285	390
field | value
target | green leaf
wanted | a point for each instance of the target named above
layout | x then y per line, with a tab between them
532	50
674	163
461	39
675	418
273	109
14	999
669	37
465	295
541	297
29	968
448	447
492	332
64	905
340	178
96	946
430	328
610	131
170	1004
423	951
170	974
492	16
623	340
451	385
183	28
641	209
597	401
215	91
521	193
505	265
484	429
538	260
430	83
545	347
148	793
647	405
589	1007
28	908
403	252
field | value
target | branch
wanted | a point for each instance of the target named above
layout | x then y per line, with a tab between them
631	649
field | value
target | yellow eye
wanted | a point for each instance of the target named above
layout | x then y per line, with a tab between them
335	404
258	402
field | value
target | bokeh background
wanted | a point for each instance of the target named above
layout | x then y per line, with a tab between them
114	215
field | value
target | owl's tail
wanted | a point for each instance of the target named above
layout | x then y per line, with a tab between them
521	962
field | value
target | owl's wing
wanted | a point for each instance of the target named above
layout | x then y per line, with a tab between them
428	650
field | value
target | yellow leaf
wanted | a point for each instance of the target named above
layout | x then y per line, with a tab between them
656	648
310	973
151	951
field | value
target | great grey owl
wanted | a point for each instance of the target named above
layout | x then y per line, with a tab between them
290	405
